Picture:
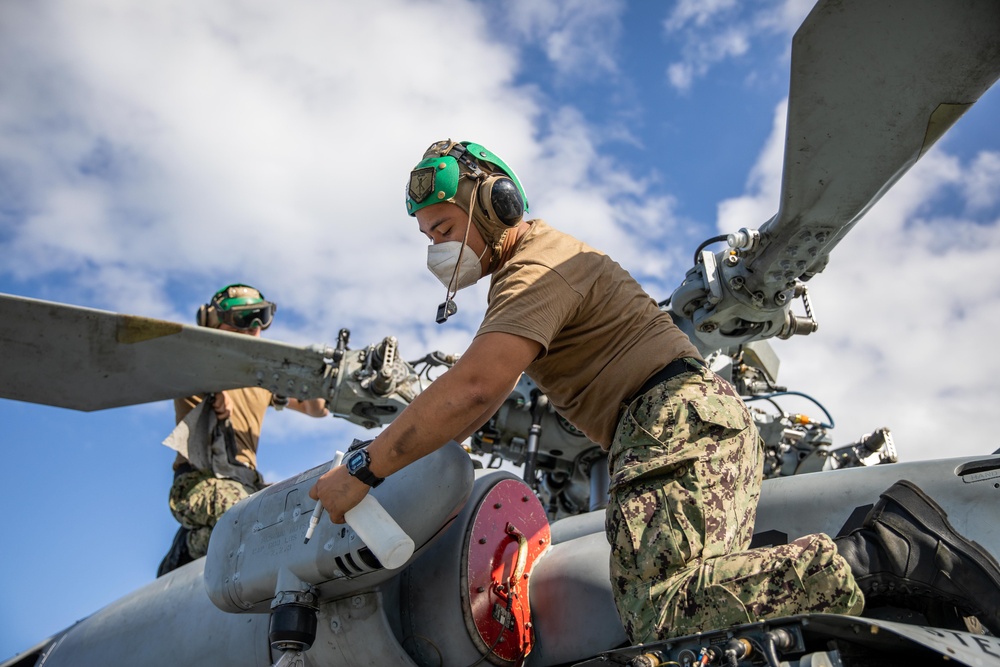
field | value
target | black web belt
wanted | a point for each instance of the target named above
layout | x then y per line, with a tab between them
671	370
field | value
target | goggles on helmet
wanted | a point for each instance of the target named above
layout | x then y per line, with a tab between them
243	307
257	316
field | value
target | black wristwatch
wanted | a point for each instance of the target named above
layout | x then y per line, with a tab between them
358	463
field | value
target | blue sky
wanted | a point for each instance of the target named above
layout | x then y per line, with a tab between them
153	152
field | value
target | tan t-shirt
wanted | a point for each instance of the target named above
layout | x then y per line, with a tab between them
602	335
247	417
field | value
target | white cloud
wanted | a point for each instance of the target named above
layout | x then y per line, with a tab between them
599	200
982	184
702	54
698	12
710	33
785	16
239	140
578	37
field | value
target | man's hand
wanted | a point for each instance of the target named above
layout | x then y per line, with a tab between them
222	405
339	492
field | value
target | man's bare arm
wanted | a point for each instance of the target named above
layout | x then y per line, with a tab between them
456	403
489	412
314	407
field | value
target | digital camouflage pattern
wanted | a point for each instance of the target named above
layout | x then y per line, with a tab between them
686	468
198	499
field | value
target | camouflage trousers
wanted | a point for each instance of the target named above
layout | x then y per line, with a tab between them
198	499
686	465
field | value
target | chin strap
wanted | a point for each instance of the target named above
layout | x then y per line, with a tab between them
449	308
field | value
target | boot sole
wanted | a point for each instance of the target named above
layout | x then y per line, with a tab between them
925	511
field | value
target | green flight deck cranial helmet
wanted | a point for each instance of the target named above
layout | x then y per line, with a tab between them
238	305
453	171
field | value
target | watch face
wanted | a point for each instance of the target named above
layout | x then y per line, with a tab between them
357	461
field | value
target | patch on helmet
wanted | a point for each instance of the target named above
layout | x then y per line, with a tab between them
235	291
421	184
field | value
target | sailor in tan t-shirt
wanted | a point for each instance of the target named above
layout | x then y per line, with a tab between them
207	483
572	319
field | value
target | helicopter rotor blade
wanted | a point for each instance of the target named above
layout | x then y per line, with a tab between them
874	83
85	359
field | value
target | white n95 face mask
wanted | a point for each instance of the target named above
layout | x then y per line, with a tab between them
443	258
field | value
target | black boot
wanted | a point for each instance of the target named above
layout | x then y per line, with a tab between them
178	554
906	547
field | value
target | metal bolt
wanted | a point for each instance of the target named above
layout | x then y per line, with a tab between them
497	506
482	540
358	601
481	589
736	282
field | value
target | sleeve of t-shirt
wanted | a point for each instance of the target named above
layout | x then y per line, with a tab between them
183	406
534	302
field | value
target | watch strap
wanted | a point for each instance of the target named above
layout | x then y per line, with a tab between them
364	473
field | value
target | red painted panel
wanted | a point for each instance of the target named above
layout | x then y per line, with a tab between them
509	533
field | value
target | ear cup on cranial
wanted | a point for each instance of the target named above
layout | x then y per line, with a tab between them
501	200
207	316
